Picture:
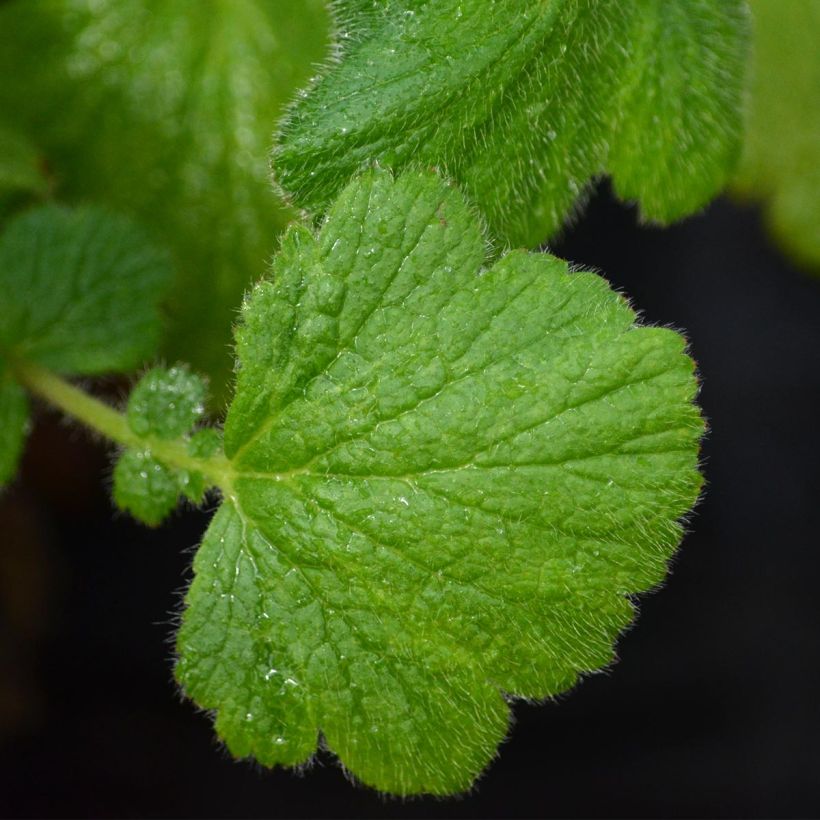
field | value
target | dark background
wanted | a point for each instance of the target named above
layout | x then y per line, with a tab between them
711	711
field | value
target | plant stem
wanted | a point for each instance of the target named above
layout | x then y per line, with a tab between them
113	425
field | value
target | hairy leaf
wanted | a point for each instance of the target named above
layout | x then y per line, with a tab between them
445	485
203	444
164	405
165	109
80	290
145	487
14	422
781	160
166	402
523	102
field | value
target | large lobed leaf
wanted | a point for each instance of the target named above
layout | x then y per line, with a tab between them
523	102
781	158
447	483
165	109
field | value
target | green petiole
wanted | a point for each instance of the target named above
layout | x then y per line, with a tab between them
112	424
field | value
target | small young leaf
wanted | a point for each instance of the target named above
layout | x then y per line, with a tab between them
205	443
163	109
164	405
192	485
445	485
14	422
166	402
781	159
523	102
144	487
80	290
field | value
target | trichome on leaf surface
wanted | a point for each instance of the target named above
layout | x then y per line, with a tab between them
446	466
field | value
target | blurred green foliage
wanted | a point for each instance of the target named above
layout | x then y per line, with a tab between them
781	161
166	109
20	172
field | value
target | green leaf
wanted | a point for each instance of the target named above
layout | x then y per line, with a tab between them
678	136
164	405
80	290
166	402
781	159
524	102
165	109
145	487
14	424
203	444
445	486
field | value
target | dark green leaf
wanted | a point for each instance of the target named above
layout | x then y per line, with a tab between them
80	290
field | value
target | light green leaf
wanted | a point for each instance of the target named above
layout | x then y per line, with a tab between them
166	402
14	424
781	160
445	485
165	109
80	290
145	487
524	102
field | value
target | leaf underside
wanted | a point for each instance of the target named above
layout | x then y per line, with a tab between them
523	103
447	484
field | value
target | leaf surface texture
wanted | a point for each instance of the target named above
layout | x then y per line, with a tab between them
446	483
524	102
81	289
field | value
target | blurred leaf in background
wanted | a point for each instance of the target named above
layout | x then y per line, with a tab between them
22	175
781	161
19	164
166	109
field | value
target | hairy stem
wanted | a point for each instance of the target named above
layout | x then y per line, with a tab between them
112	424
